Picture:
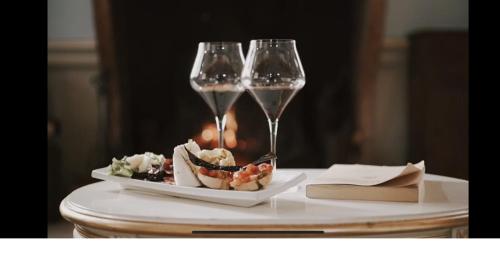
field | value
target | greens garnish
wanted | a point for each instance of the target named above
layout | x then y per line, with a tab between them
121	167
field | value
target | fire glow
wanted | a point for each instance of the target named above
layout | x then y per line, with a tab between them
209	133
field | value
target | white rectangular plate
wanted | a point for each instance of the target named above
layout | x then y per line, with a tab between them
281	182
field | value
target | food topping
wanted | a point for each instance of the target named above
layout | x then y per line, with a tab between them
221	174
147	166
218	156
251	173
121	167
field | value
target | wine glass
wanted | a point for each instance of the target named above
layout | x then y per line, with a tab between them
273	75
216	76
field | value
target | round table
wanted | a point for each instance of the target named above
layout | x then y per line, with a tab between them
105	209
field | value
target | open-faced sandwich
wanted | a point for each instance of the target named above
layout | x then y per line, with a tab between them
252	177
216	179
188	173
217	169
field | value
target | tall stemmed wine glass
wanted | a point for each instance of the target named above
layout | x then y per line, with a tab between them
216	76
273	75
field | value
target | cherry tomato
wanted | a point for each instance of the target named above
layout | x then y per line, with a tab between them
245	179
212	173
244	174
167	164
252	169
255	170
203	171
264	167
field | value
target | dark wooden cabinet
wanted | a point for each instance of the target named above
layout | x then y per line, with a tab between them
439	101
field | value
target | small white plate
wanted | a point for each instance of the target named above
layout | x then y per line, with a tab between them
281	182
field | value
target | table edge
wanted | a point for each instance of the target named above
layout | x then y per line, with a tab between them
450	220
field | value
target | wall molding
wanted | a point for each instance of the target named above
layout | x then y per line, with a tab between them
395	43
72	54
394	52
83	53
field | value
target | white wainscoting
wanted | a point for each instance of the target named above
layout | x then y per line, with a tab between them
72	100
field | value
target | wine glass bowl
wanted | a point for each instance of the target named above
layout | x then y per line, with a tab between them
216	76
273	61
217	63
273	75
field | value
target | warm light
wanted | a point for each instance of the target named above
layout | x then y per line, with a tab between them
230	138
206	135
209	133
231	121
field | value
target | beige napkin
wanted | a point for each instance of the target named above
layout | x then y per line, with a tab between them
410	175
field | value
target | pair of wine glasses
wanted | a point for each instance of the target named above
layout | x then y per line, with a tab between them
272	73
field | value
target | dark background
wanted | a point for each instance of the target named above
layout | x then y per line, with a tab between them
155	44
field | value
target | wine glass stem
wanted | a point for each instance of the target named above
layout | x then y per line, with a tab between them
220	121
273	134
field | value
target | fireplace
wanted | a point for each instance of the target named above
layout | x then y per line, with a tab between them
147	50
245	147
